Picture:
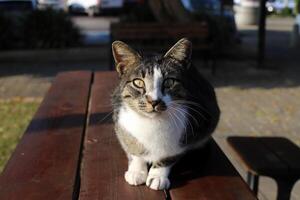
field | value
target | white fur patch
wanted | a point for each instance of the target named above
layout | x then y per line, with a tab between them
159	134
155	91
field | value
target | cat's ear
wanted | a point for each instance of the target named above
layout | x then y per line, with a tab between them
125	57
181	51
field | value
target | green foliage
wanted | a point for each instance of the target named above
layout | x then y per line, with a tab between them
297	7
14	117
38	29
286	12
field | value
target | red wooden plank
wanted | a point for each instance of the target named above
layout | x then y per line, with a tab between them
208	174
104	163
45	162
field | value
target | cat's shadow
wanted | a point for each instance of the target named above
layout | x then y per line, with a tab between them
208	161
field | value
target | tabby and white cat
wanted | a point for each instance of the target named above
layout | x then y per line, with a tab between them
162	108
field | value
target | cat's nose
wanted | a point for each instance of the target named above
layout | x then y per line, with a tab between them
152	101
155	103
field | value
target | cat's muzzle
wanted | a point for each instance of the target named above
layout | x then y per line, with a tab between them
158	106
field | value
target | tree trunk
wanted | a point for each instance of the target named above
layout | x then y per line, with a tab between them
159	11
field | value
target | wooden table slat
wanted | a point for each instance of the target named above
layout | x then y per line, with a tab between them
104	162
208	174
45	162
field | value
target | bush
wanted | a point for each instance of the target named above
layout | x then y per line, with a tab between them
8	37
50	29
38	29
286	12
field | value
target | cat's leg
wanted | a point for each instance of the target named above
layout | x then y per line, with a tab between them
159	172
137	171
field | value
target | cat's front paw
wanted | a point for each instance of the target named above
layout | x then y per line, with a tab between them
157	182
135	177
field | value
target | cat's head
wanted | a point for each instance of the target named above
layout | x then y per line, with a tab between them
150	84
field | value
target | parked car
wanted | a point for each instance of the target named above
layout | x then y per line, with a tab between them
17	5
54	4
276	6
93	7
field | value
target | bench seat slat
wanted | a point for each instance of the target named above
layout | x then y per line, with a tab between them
269	156
44	164
287	151
104	162
259	158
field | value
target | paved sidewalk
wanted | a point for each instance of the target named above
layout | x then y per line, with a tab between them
261	102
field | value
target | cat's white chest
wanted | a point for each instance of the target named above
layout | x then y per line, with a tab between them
160	135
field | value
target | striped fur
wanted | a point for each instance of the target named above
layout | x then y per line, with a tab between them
162	109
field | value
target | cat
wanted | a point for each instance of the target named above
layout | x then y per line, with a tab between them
162	108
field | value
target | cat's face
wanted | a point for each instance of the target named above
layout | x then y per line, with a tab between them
149	85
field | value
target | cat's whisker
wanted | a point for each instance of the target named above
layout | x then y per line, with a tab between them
196	111
174	120
182	123
178	118
195	104
105	117
188	121
110	104
186	112
187	106
178	106
192	129
191	103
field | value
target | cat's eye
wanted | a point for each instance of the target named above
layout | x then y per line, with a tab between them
139	83
169	82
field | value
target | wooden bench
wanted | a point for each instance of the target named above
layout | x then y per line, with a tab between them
275	157
70	151
159	37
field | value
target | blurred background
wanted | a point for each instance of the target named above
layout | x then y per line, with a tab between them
248	49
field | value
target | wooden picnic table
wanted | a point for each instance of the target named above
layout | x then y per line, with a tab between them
69	151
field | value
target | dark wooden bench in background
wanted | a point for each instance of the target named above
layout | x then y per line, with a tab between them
69	151
159	37
275	157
